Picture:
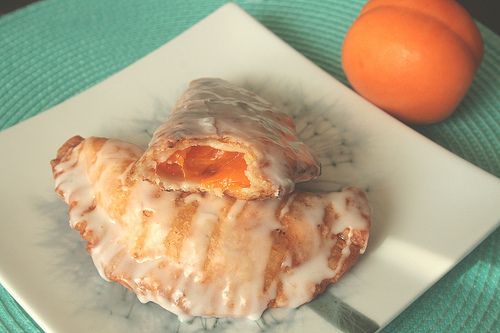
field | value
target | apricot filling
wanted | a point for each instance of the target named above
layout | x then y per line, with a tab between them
212	168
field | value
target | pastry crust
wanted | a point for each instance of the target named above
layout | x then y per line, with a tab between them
202	255
217	114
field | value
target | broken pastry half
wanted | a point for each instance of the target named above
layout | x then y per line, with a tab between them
199	254
224	139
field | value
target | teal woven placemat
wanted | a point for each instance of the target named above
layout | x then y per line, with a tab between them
54	49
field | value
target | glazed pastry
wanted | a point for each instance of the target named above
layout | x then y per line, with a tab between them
224	139
199	254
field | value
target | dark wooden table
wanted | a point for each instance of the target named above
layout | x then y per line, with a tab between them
485	11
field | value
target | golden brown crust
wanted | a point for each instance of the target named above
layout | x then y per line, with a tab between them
64	151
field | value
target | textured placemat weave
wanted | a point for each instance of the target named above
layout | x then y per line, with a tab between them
54	49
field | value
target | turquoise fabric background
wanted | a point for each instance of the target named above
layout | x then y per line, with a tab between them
53	49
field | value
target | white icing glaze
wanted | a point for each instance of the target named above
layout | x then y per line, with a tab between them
194	248
353	212
300	282
286	207
222	262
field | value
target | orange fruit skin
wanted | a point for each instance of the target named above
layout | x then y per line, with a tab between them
415	59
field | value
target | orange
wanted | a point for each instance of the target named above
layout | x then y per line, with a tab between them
415	59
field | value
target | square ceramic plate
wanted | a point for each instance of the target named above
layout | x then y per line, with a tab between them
428	204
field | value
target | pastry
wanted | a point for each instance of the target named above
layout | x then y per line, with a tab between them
199	254
226	140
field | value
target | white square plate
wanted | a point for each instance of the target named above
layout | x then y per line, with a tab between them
430	206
